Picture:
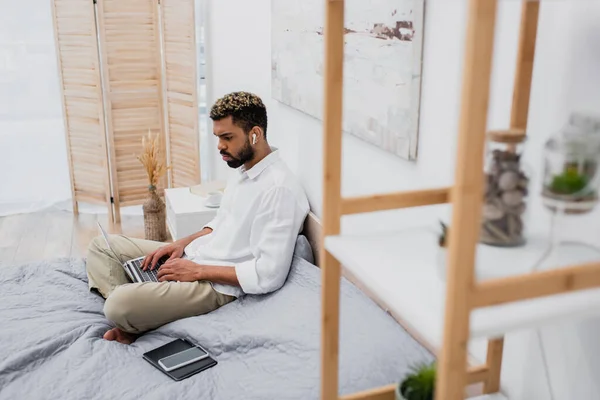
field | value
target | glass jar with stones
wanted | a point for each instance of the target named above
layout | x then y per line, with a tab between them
505	190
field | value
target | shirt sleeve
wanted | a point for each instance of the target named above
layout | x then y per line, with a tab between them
214	223
273	236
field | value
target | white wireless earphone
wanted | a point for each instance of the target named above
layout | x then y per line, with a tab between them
254	138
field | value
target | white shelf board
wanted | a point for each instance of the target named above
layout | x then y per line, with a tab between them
495	396
405	270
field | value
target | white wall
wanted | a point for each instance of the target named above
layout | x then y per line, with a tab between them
565	79
33	165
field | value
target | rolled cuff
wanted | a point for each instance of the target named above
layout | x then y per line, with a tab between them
247	277
212	224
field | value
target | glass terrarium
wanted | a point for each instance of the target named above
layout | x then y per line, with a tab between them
571	181
506	190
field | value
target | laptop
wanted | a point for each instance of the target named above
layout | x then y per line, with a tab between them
133	268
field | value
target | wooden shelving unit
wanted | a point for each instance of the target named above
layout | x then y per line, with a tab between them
447	315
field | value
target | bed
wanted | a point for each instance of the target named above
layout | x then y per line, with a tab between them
267	347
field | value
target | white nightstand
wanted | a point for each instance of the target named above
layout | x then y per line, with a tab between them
186	213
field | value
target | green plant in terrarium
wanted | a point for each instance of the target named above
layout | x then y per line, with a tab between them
572	169
569	182
419	384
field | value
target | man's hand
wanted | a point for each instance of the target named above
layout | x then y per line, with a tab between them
181	270
173	251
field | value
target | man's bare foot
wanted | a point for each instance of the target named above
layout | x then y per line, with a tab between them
120	336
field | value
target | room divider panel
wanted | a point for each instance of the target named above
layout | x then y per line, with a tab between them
83	111
130	56
179	56
125	65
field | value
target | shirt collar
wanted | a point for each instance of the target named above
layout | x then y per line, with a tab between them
263	164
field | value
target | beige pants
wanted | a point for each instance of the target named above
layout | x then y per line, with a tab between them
139	307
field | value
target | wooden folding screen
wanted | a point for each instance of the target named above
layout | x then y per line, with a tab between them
112	58
130	53
80	82
179	55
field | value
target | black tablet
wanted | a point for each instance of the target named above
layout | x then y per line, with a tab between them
180	359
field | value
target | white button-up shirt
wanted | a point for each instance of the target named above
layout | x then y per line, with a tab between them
256	227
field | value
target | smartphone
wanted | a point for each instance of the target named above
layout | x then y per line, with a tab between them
182	358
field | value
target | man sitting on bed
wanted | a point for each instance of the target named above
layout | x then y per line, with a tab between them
246	248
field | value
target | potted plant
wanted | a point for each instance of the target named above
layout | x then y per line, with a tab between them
418	384
155	227
442	251
443	237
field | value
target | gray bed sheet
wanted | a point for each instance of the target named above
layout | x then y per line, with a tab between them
267	347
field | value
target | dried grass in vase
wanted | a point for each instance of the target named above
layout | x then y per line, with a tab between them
151	159
154	208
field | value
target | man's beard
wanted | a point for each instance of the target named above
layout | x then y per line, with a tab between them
245	154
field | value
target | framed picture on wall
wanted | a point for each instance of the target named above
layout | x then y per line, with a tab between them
382	67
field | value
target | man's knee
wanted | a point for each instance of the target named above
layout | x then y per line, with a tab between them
94	265
98	250
121	307
97	243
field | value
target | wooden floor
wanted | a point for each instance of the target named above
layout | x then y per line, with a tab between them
50	234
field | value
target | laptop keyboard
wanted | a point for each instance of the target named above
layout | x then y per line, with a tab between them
148	275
